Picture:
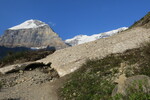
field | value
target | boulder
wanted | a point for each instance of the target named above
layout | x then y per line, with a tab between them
135	83
18	67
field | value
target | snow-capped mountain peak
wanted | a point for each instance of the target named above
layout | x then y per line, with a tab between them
29	24
80	39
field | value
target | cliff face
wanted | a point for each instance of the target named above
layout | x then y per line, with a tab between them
33	34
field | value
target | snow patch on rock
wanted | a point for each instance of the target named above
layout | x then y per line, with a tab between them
80	39
29	24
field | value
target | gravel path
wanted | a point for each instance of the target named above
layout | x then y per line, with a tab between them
30	85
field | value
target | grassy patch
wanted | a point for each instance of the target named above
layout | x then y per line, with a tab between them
133	96
144	64
94	80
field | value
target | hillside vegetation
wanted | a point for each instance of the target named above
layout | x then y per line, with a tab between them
24	56
4	50
95	79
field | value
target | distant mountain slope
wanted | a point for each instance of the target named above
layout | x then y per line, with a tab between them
5	50
31	33
80	39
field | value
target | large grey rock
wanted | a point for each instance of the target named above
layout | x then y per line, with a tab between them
133	83
69	59
17	67
40	36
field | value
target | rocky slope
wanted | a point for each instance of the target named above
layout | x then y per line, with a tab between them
33	84
80	39
31	33
69	59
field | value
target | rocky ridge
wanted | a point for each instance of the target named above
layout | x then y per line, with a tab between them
143	22
80	39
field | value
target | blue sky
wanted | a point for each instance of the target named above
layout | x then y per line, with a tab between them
69	18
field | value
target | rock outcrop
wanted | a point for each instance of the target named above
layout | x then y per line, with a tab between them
17	67
69	59
133	82
32	33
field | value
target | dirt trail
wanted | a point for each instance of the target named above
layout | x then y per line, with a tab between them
38	87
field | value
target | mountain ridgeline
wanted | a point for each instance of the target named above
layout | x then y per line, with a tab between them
80	39
143	22
31	33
